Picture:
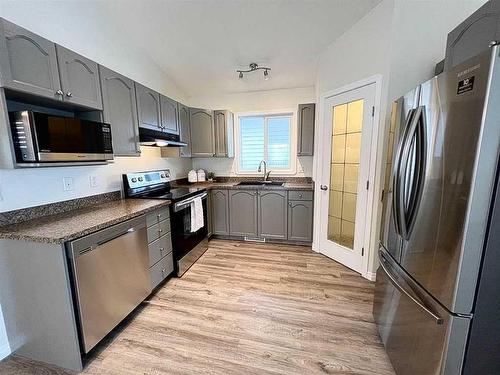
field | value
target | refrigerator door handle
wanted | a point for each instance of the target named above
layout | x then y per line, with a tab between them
383	263
396	210
404	224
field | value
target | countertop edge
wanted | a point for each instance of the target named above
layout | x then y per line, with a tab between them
84	232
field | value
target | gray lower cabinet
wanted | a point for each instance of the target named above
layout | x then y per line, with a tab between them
148	107
185	130
160	246
202	132
79	79
120	110
28	62
272	214
220	211
243	213
169	118
305	129
224	134
300	221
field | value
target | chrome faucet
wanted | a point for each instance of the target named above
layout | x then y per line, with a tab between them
266	173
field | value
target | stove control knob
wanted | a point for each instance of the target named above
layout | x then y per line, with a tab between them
140	179
162	175
134	179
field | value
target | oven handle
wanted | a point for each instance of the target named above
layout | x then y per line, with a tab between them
182	204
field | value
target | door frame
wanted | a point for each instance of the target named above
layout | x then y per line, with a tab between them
374	208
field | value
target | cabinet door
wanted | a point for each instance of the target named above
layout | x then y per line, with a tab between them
28	62
202	133
300	220
148	107
220	211
169	120
185	130
305	129
120	110
243	213
79	79
220	118
272	211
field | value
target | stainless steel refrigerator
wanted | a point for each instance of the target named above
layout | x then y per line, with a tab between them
439	220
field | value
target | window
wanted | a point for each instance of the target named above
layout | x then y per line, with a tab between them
265	137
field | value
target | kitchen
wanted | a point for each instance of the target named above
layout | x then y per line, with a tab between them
178	214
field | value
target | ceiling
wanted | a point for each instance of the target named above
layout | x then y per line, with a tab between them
201	43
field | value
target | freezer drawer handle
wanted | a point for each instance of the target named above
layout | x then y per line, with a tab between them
436	318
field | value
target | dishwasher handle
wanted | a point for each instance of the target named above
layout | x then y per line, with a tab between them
130	230
92	241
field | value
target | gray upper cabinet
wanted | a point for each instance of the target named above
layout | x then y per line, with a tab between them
148	107
224	134
300	221
272	210
185	129
305	129
79	79
169	118
28	62
243	213
120	110
220	211
202	133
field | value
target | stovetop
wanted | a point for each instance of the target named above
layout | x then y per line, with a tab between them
155	185
173	194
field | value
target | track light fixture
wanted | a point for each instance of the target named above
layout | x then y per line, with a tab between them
253	67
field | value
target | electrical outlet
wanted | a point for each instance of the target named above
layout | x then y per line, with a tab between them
93	181
68	184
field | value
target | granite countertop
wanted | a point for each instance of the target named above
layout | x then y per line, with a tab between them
234	185
70	225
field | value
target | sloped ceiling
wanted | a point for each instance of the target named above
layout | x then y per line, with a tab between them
200	43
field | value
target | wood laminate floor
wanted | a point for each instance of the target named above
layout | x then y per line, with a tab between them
245	308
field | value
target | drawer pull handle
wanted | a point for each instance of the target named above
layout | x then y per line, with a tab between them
300	195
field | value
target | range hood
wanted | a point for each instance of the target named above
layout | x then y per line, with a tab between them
149	137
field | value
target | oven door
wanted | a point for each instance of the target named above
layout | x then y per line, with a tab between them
187	246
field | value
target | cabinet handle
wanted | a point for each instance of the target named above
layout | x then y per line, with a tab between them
69	94
323	187
161	249
290	204
160	230
60	92
300	195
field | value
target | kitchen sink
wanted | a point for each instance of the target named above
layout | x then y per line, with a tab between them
260	183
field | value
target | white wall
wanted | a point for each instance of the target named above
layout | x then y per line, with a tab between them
251	102
401	40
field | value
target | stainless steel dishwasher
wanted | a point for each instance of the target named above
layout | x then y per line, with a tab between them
110	277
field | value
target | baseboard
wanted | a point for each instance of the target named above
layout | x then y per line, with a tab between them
4	350
371	276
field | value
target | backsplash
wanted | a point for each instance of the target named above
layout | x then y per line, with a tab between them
25	214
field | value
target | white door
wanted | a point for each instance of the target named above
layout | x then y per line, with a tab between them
348	122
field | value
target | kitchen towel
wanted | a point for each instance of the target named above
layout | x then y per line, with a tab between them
197	220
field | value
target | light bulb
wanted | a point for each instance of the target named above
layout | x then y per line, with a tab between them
240	75
266	75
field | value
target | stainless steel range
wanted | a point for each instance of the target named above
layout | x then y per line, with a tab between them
188	244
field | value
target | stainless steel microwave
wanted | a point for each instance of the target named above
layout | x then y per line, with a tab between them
44	138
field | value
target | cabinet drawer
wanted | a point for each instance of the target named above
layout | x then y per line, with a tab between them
300	195
157	216
161	270
159	248
158	230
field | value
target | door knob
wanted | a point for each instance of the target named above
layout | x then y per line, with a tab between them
323	187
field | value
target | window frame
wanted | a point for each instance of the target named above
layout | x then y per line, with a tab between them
293	141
